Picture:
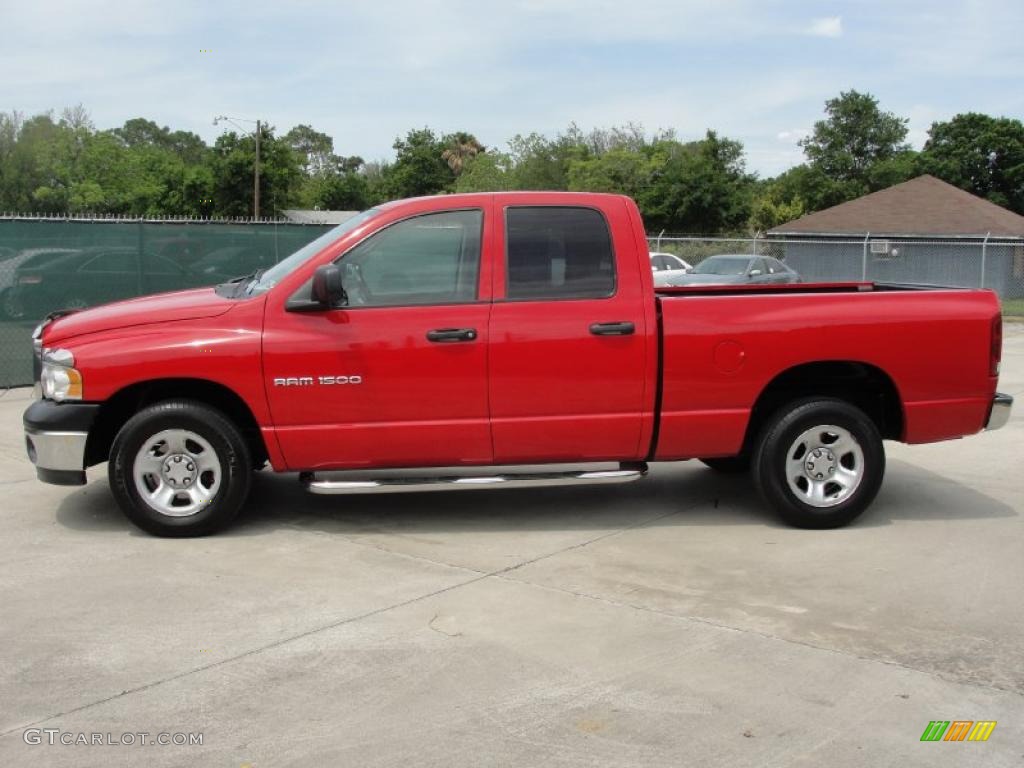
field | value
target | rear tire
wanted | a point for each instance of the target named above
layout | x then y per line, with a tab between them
819	463
180	468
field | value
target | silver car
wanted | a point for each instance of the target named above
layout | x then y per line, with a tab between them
736	269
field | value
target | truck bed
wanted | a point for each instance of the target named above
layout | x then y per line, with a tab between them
724	345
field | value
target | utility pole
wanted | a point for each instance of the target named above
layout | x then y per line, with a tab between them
256	183
256	165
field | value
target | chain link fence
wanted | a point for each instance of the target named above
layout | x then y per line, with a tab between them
56	263
992	263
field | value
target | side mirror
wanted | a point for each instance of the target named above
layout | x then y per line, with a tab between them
328	290
755	272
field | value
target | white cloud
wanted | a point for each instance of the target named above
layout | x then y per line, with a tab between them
793	134
831	26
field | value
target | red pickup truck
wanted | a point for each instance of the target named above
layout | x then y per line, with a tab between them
503	330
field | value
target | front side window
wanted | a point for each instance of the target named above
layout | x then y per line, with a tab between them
558	253
429	259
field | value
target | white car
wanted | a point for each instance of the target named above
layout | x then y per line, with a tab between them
667	265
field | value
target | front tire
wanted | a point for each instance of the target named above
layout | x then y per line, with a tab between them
819	463
180	468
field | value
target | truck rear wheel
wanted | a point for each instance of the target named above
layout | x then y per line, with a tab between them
180	468
819	463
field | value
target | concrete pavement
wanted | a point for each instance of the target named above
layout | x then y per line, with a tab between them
665	623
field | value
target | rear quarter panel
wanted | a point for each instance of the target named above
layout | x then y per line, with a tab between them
721	351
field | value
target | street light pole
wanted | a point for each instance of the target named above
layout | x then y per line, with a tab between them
256	183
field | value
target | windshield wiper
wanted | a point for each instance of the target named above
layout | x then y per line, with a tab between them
238	286
254	280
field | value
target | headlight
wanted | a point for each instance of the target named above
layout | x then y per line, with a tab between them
59	379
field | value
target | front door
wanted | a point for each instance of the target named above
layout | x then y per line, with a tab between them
398	377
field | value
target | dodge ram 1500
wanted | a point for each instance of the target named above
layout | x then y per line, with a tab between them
505	330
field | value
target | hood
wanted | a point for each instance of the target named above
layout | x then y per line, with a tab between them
694	279
162	308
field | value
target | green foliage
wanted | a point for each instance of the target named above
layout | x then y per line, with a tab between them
63	164
700	187
419	168
855	136
487	172
234	159
769	211
979	153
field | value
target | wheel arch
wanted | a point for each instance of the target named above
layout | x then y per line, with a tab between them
115	411
861	384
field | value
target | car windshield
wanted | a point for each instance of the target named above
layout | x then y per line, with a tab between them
279	271
719	265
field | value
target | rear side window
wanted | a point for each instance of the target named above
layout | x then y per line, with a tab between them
558	253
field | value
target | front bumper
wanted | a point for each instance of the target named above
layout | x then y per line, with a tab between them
1000	412
55	438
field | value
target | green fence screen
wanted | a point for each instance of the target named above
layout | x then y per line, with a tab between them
48	264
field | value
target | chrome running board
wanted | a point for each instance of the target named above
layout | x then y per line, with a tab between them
625	474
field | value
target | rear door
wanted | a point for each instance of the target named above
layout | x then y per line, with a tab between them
568	340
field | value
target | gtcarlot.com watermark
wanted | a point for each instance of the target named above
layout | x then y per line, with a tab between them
55	736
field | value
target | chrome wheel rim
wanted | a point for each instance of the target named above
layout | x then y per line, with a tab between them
824	466
177	472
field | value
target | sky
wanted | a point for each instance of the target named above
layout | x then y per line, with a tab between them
366	72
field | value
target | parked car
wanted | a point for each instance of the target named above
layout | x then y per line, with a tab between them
90	276
666	265
10	306
538	339
736	269
230	261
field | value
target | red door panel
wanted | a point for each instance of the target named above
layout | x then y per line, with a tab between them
559	392
417	402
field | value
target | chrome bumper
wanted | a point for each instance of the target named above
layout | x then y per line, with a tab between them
1000	413
55	439
59	456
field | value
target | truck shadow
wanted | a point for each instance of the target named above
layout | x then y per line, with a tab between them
672	495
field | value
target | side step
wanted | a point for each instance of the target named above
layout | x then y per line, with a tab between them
625	474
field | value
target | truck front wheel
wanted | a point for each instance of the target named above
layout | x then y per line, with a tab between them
180	468
819	463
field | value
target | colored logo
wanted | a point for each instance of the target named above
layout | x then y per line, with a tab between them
958	730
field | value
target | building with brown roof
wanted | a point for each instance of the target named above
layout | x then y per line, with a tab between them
921	231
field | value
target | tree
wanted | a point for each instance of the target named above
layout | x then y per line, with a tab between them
855	136
280	174
542	163
316	149
619	170
419	168
489	172
459	148
979	153
698	187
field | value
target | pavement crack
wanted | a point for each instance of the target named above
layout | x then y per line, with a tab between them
766	635
342	622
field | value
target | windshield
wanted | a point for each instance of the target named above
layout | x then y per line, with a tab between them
721	266
276	273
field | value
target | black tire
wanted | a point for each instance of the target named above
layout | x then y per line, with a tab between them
729	465
783	433
231	454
